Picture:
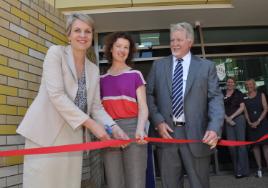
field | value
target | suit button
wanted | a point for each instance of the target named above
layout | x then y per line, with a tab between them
170	115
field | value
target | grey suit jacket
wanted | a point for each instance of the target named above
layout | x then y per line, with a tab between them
53	107
203	100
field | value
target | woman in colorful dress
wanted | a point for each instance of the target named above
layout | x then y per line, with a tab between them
123	97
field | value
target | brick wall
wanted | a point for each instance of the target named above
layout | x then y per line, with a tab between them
27	29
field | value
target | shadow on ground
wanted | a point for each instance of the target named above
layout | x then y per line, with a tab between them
229	181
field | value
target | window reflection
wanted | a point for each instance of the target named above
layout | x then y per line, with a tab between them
243	68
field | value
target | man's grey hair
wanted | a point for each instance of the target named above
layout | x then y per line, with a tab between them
76	16
183	26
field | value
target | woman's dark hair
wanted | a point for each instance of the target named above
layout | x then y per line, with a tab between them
111	39
231	78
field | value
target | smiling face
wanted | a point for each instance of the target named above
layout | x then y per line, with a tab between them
120	50
250	86
180	44
81	35
230	84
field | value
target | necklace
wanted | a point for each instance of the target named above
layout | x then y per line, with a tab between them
252	95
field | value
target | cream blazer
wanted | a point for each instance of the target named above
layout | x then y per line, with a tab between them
53	107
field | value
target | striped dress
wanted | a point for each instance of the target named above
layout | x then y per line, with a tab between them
118	93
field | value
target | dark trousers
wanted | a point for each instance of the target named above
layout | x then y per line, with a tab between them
239	154
150	177
172	159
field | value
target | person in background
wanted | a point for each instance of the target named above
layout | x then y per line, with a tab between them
255	112
185	102
235	126
123	97
68	102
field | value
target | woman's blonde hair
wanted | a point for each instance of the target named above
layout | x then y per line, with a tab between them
77	16
251	80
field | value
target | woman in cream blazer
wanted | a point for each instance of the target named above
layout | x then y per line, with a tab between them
54	118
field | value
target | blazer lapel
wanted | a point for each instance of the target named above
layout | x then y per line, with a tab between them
168	72
70	61
191	74
88	72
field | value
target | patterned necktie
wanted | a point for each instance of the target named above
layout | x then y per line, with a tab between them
177	90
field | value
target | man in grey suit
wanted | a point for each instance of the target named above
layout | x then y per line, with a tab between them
201	116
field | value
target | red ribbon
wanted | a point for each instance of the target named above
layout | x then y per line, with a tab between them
240	143
113	143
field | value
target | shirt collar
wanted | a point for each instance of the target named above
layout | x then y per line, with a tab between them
185	58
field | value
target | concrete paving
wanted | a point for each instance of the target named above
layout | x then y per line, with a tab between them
227	180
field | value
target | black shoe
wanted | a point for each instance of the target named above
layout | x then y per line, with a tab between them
238	176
